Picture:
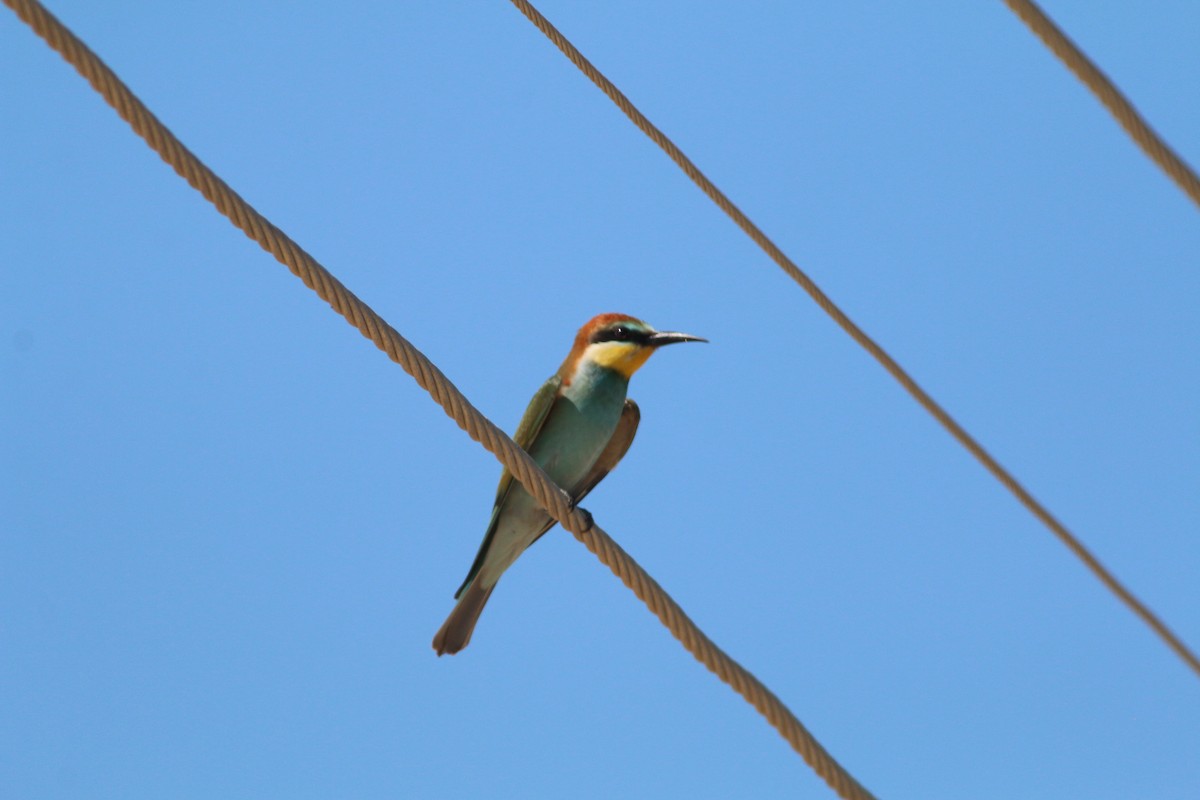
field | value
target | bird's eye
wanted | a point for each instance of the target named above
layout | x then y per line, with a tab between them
620	333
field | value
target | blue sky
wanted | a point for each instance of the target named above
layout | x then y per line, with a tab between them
229	526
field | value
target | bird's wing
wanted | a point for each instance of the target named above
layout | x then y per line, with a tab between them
613	452
528	429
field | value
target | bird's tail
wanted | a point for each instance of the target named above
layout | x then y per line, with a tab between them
456	630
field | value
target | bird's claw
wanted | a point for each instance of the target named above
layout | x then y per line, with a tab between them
586	516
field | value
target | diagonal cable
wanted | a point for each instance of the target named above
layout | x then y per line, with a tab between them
859	335
430	378
1106	91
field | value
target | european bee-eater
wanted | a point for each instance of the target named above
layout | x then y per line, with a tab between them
577	427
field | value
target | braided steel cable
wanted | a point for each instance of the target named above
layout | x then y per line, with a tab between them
576	520
1107	93
960	434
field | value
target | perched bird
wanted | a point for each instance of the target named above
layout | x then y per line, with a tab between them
577	427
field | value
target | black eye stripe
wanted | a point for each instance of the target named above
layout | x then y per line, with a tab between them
619	333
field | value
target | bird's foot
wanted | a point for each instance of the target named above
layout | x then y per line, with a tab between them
586	517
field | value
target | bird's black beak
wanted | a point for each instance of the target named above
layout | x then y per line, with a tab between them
660	338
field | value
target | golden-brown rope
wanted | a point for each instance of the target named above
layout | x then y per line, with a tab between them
387	339
1117	104
860	336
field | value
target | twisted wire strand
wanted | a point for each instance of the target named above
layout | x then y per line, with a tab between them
430	378
1107	93
893	368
